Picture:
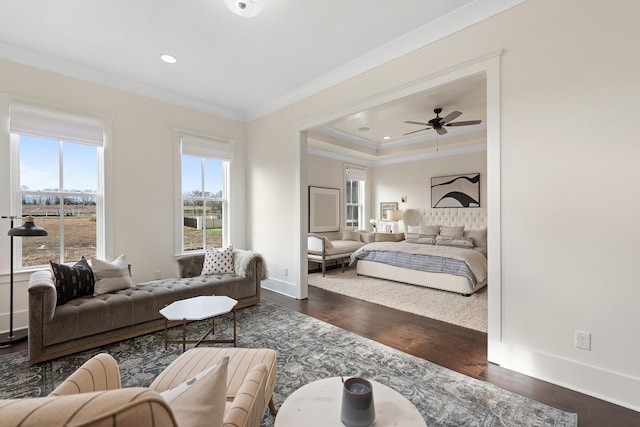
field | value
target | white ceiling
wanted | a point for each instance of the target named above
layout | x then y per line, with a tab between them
240	68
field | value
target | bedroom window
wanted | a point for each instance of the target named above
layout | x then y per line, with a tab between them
57	164
354	196
205	165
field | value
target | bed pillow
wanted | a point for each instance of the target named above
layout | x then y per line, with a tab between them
423	239
424	229
72	281
217	261
111	276
458	242
200	400
350	235
457	231
479	237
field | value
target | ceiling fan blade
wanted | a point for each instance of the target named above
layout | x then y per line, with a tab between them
451	116
441	131
419	130
467	123
411	122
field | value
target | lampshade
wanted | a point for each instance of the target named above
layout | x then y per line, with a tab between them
245	8
395	215
28	228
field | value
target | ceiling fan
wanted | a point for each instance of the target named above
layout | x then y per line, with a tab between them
438	123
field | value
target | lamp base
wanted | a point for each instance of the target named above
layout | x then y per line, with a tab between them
6	340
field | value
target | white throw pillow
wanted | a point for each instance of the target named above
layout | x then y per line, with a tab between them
201	400
217	261
111	276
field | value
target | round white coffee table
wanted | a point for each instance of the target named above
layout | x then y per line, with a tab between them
317	404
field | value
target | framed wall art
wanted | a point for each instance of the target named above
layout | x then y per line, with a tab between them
324	209
456	191
387	206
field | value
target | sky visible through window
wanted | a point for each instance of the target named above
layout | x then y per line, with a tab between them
40	166
192	175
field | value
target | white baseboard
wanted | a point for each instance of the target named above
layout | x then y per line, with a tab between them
280	286
614	387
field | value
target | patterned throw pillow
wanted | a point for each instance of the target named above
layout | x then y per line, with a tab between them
111	276
423	239
459	242
217	261
457	231
73	281
424	229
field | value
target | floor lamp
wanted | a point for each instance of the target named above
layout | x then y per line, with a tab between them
25	230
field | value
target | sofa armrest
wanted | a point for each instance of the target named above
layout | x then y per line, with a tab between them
99	373
250	402
316	244
42	295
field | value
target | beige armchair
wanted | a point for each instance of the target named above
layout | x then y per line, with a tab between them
93	396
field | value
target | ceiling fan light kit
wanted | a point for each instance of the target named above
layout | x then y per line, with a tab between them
438	123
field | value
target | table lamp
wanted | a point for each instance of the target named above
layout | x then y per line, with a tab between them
27	229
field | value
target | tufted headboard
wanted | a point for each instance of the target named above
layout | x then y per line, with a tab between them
471	218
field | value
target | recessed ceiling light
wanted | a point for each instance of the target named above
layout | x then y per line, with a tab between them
169	59
386	138
363	129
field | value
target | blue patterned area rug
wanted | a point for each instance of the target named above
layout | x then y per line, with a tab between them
308	350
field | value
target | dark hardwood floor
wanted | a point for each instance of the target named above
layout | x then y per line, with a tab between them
459	349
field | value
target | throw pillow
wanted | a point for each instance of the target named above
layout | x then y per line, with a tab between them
200	400
423	239
459	242
217	261
479	236
457	231
350	235
111	276
72	281
424	229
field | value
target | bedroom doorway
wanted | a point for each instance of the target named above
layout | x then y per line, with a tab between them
488	68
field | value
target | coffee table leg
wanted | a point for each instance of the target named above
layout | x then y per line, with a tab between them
165	334
235	332
184	335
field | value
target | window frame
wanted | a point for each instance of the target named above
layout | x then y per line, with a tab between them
203	147
57	119
359	174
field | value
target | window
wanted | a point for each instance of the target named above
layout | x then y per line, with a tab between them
354	196
204	168
56	168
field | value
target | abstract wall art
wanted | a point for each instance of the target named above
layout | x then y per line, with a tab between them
456	191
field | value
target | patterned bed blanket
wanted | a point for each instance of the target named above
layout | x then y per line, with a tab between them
469	263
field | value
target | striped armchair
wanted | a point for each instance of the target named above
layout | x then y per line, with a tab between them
93	396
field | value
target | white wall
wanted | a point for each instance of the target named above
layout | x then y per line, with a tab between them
388	183
569	155
140	184
413	179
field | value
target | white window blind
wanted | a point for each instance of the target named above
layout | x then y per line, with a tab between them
356	174
204	147
58	125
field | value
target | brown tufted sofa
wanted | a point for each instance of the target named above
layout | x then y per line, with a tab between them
92	321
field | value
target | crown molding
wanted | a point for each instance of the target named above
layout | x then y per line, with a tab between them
455	21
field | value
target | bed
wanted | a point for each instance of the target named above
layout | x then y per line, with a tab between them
453	260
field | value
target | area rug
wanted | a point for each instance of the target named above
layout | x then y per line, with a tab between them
469	312
308	350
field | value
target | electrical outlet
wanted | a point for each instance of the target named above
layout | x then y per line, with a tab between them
158	275
286	271
583	340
